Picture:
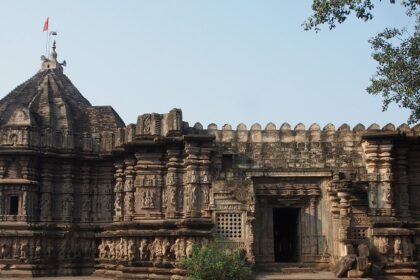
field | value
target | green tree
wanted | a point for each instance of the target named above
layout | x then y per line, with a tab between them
396	50
215	262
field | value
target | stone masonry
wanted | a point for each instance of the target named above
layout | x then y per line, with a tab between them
81	193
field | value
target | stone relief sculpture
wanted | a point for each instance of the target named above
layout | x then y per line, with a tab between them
148	199
143	250
178	248
101	249
189	247
38	251
5	250
166	248
155	250
131	249
372	196
24	250
383	245
398	250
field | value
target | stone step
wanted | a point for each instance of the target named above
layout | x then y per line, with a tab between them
286	268
321	275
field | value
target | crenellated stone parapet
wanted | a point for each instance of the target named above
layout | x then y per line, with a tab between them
287	134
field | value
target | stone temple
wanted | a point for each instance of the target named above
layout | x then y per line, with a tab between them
81	193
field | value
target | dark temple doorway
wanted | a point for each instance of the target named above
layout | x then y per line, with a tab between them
285	224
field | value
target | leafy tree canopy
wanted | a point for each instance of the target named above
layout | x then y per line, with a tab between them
396	50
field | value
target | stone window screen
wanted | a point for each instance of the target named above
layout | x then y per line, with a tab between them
358	233
229	225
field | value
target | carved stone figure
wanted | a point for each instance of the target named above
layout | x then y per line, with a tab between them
101	249
193	197
178	248
189	248
171	179
131	250
193	177
397	250
5	251
119	249
155	250
112	253
143	249
383	245
166	248
24	250
148	199
38	251
16	250
387	195
118	203
372	195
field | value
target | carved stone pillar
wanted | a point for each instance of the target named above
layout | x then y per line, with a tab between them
118	190
46	191
129	189
343	189
379	167
174	190
205	181
385	178
313	226
67	200
192	204
401	182
85	194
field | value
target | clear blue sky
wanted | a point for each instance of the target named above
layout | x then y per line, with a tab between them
219	61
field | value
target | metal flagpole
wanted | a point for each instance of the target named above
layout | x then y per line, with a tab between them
46	44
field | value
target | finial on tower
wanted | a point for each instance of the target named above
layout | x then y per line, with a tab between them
51	62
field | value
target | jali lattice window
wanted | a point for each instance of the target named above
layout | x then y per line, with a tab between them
229	225
358	233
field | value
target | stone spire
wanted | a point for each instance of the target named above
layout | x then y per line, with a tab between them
51	62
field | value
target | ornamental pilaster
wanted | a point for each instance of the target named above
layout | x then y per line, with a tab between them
129	189
379	161
118	190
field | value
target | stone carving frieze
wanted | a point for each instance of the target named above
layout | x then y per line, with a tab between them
288	190
148	249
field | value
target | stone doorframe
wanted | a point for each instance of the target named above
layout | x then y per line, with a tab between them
300	189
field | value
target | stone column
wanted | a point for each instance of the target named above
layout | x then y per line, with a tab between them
313	226
174	191
401	182
129	189
379	167
46	191
67	200
85	194
118	190
385	178
343	193
192	205
205	180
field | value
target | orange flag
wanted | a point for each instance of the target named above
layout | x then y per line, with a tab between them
46	25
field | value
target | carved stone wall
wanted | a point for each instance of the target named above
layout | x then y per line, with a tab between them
80	192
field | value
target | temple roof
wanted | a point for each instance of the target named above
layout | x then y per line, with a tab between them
50	100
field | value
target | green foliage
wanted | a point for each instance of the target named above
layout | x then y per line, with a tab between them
215	262
336	11
398	72
396	51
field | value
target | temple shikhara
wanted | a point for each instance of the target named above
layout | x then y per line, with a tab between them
81	193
